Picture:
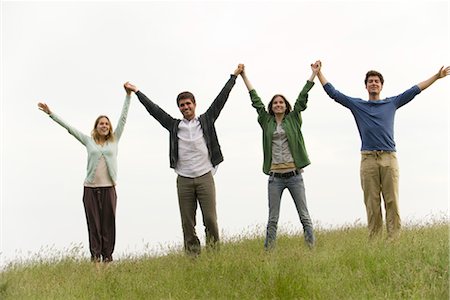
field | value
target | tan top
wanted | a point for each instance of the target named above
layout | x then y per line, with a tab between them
101	177
283	167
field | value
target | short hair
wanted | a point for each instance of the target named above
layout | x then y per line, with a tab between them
185	95
94	133
373	73
288	105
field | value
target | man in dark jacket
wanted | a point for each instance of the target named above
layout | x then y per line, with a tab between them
194	155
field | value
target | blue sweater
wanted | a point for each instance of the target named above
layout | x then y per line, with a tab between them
95	151
374	118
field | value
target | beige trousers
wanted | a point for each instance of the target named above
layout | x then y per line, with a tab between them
379	177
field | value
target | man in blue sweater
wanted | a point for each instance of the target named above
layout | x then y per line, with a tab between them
379	168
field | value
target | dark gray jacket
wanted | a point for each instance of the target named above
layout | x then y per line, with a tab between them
207	121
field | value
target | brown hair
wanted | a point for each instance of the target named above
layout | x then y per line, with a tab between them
288	105
185	95
373	73
94	133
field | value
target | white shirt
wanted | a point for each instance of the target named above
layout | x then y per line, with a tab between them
193	156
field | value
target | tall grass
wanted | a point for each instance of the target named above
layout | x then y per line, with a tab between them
343	265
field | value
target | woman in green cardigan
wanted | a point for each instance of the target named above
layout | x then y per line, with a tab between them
285	155
99	196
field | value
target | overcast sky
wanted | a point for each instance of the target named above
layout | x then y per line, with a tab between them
75	56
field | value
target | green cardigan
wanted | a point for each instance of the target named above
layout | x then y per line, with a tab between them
292	124
95	151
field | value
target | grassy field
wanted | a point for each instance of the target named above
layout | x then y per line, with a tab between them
343	265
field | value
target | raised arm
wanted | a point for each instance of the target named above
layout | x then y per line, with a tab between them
123	116
154	110
331	91
246	81
441	74
256	100
73	131
302	99
219	102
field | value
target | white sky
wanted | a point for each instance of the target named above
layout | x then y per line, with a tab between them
76	56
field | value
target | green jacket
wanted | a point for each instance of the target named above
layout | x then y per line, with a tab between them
292	124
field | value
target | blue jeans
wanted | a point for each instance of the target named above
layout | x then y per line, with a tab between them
296	187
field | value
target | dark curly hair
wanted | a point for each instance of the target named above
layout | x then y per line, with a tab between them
373	73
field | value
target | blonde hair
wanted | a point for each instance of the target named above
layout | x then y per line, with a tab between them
110	137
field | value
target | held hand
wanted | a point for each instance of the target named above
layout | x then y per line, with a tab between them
130	88
315	67
320	75
44	107
239	69
443	72
127	90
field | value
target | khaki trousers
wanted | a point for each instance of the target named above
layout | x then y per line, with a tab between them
199	190
379	177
